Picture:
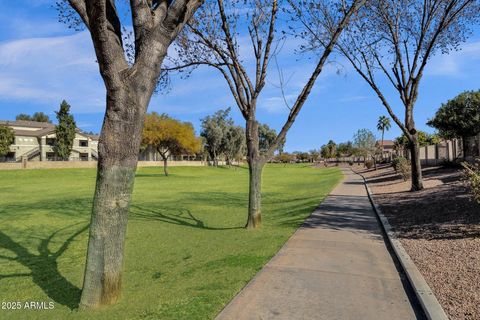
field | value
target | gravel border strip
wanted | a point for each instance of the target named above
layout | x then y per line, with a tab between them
430	305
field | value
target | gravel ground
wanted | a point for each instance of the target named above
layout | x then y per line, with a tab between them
440	229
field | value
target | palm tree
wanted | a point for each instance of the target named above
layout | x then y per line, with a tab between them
382	125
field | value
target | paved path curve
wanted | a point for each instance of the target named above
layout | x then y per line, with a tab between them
336	266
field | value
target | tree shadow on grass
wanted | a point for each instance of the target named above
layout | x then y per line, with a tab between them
72	207
44	267
178	216
217	198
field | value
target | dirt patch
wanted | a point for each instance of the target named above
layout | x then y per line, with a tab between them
440	229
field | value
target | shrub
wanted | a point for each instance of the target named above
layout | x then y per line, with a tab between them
401	166
395	162
472	173
350	163
369	164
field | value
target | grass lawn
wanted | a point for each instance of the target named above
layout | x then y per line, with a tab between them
187	254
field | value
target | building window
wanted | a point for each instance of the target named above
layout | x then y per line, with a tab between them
51	156
50	141
83	143
9	157
84	156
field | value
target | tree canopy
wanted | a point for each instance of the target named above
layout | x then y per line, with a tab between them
7	138
37	116
424	139
345	149
459	117
64	132
214	131
383	124
365	143
234	143
329	150
169	136
267	137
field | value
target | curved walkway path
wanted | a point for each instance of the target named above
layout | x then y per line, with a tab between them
336	266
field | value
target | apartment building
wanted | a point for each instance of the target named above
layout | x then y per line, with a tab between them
34	142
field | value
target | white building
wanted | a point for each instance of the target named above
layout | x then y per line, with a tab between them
34	142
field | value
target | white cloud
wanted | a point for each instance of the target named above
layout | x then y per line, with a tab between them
456	63
277	104
49	69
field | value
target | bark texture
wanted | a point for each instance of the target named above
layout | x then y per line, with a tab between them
417	180
118	156
165	166
255	168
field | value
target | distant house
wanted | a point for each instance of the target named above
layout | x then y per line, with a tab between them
34	142
388	148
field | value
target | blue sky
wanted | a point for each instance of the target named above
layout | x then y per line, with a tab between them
42	62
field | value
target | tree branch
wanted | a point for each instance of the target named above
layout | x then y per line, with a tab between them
266	54
105	28
141	18
302	97
241	72
80	7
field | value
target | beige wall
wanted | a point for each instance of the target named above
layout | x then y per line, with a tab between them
92	164
23	145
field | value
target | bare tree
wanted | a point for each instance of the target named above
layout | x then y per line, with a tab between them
129	87
393	40
213	39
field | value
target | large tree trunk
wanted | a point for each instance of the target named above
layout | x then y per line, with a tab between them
417	180
118	150
414	147
255	165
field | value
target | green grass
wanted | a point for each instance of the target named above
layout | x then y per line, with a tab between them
187	254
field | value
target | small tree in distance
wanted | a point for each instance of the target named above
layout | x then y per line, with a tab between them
23	117
234	144
64	131
37	116
7	138
382	125
345	149
366	144
169	137
329	150
285	158
314	155
214	131
267	137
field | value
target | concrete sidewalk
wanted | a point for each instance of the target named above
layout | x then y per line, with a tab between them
336	266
